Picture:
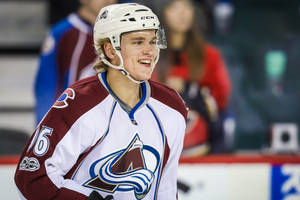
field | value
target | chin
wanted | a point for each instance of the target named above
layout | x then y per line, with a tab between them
144	78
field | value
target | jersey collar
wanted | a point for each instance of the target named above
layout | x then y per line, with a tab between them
146	91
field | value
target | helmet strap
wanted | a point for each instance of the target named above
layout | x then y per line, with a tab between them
157	58
119	67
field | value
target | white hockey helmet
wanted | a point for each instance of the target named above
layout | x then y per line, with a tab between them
116	19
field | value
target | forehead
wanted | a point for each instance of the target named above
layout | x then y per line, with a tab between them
140	34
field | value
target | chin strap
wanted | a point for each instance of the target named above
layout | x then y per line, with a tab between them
121	66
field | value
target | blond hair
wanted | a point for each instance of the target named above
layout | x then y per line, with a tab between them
99	65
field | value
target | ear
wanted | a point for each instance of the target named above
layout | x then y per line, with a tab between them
109	50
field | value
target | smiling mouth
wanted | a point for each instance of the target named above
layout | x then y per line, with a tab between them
145	62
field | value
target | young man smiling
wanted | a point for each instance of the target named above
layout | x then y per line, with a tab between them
114	135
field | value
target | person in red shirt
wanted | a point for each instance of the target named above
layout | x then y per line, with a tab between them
198	72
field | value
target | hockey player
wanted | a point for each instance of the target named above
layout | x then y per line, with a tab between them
116	135
67	55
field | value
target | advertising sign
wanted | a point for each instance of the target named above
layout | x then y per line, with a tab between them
285	182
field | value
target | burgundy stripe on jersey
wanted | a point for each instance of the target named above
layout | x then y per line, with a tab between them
165	159
168	96
65	49
87	56
36	185
67	45
166	153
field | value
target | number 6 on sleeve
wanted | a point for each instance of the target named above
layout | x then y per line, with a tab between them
42	143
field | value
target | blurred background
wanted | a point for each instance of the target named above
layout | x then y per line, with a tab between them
258	39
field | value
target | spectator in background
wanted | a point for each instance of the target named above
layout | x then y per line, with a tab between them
59	9
197	71
65	55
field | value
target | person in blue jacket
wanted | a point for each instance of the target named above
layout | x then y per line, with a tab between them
66	55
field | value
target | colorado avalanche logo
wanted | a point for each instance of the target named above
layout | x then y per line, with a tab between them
62	102
130	169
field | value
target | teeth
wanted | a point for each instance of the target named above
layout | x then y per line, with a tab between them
145	61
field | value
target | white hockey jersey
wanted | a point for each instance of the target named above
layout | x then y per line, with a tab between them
90	140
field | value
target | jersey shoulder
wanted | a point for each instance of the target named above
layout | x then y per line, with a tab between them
55	34
73	22
168	97
61	27
90	87
82	96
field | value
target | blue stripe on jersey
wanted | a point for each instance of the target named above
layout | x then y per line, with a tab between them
131	114
152	150
163	139
103	75
45	86
102	138
158	123
111	114
143	98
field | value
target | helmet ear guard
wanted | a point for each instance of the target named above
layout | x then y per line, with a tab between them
117	19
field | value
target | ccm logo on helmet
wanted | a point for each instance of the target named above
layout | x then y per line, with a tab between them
147	17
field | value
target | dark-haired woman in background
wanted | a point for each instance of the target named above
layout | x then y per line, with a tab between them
197	71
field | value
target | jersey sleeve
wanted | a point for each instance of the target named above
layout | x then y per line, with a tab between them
51	153
168	183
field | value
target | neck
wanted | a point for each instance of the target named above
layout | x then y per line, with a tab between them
125	89
177	40
87	15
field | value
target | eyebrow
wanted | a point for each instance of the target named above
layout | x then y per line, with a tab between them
142	38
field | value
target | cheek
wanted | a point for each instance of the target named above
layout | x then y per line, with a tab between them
156	52
129	57
170	17
173	20
181	24
189	17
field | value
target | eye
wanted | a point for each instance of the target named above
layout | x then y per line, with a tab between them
137	42
153	42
